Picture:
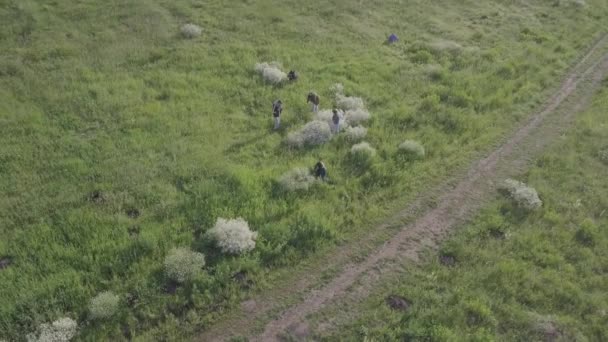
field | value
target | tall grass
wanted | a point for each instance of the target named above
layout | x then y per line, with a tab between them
515	275
121	140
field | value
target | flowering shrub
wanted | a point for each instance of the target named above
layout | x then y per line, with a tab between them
233	236
313	133
346	102
191	31
183	264
337	88
356	116
296	179
271	72
524	196
412	148
104	305
61	330
349	102
355	133
324	115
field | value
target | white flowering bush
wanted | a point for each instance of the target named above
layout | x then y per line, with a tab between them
346	102
61	330
271	72
324	115
412	149
104	305
233	236
362	153
524	196
313	133
355	133
337	88
357	116
349	102
191	31
183	264
296	179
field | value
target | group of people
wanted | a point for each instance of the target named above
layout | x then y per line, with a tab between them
319	170
314	100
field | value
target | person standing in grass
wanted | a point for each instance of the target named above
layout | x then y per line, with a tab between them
320	171
315	100
277	108
336	120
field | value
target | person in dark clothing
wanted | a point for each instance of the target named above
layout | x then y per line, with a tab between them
292	75
320	171
336	120
315	100
277	108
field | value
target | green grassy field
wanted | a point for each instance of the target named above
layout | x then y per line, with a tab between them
107	98
517	276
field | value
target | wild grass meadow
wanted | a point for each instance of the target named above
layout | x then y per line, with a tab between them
515	274
130	128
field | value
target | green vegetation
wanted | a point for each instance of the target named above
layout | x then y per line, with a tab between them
121	139
513	274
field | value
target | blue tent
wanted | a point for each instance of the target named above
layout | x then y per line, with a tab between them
392	38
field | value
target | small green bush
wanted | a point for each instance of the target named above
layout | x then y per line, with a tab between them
435	72
422	57
183	264
412	149
479	314
296	179
363	153
587	233
104	305
430	103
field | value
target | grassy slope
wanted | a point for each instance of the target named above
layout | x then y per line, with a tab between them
106	96
519	276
